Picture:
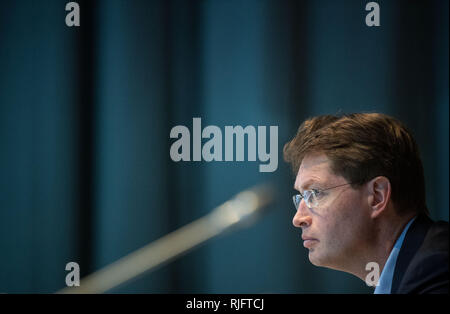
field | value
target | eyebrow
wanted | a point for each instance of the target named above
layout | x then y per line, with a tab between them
306	185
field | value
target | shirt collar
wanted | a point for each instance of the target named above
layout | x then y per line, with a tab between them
385	282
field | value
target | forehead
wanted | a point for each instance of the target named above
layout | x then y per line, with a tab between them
315	168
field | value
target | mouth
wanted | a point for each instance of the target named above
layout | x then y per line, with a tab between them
309	242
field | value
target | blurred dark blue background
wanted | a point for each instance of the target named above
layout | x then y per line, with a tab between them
85	116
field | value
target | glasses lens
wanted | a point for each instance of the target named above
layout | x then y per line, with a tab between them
311	199
296	198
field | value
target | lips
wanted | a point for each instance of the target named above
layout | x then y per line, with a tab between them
309	242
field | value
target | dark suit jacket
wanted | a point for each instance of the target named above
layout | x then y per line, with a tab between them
422	263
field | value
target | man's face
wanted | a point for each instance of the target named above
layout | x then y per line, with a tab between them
339	226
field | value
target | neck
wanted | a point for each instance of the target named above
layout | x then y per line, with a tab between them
385	233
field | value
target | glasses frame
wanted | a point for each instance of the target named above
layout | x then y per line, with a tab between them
301	196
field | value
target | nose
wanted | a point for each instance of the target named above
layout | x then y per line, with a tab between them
302	217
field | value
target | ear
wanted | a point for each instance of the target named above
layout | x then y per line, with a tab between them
379	190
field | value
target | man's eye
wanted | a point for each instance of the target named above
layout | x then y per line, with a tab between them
318	194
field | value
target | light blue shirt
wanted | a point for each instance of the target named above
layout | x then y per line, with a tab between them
385	281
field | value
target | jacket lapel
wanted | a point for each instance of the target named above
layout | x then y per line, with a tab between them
413	240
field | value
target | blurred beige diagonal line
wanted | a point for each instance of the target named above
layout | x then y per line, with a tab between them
240	210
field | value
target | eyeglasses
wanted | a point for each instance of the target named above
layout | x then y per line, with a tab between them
312	197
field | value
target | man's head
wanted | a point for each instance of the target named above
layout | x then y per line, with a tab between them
362	168
362	146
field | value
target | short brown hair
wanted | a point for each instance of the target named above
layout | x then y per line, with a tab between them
362	146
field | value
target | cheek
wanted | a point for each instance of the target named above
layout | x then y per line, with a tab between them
343	222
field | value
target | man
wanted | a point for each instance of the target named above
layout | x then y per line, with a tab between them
361	202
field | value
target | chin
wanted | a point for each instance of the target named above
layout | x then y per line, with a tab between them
314	258
320	258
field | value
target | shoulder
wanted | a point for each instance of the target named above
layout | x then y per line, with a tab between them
427	269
